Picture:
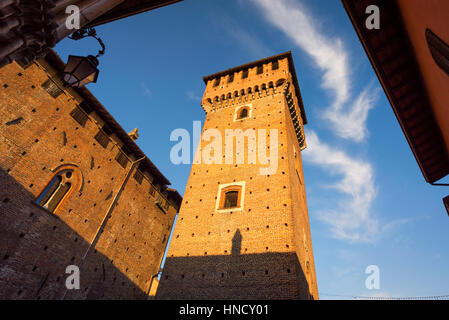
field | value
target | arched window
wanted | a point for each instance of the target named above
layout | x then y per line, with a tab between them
56	190
243	113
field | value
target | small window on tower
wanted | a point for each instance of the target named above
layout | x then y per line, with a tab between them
259	69
231	77
230	196
245	74
275	65
217	82
231	199
243	113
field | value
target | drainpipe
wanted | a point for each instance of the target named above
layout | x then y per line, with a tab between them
164	256
108	214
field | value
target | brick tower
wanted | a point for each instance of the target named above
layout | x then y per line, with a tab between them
243	229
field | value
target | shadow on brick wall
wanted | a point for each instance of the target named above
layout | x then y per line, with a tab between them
36	246
236	276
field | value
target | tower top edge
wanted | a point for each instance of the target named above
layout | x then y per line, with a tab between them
292	70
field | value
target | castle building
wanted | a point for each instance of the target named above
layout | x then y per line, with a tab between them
77	191
243	227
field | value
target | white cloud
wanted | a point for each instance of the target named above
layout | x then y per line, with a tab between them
192	95
351	219
331	57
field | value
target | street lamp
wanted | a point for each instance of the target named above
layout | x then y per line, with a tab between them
80	71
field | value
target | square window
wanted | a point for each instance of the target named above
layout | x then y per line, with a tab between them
230	196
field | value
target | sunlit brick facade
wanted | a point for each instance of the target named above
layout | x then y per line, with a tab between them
255	243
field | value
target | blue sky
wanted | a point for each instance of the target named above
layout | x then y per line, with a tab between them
368	201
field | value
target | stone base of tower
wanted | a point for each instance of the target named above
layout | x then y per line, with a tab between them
264	276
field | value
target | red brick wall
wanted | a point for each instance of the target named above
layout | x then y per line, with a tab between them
44	137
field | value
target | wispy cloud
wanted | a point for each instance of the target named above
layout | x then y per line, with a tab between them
145	90
192	95
347	115
351	219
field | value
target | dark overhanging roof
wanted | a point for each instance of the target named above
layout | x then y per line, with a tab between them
130	8
253	64
56	62
394	61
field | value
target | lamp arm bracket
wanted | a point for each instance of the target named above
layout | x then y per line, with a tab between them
89	32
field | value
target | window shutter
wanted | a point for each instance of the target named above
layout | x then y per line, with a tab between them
122	159
102	138
52	88
79	116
